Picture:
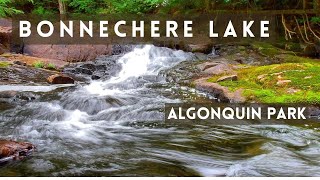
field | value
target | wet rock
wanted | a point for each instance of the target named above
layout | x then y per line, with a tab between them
95	77
219	69
120	49
228	78
84	71
102	68
68	53
207	65
201	56
12	150
8	94
60	79
23	75
19	63
26	96
220	92
11	99
183	73
91	67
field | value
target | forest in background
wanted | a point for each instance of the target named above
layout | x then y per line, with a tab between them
298	20
185	7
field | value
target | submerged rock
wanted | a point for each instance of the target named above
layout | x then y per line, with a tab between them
12	150
60	79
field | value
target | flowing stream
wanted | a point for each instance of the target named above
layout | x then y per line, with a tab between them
115	127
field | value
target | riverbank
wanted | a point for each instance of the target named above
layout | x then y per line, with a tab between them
280	77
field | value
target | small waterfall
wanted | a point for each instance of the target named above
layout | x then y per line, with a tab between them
141	62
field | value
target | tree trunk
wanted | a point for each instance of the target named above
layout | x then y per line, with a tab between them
316	5
208	5
62	7
304	4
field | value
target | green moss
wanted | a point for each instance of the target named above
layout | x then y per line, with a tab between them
4	64
259	83
269	50
38	64
266	49
297	59
51	66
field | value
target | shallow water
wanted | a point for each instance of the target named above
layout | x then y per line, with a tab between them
115	128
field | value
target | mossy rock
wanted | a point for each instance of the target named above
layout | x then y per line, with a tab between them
261	83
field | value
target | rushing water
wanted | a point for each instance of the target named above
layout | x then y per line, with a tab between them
115	128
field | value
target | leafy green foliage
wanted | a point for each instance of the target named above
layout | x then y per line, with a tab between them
133	6
43	7
42	11
315	19
6	10
86	6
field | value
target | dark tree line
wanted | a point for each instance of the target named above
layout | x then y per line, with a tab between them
299	19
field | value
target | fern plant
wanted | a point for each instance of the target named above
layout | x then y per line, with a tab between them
5	10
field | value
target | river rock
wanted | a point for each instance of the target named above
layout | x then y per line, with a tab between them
207	65
219	69
20	63
228	78
60	79
220	92
68	53
7	94
12	150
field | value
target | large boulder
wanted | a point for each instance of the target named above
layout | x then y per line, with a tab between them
60	79
69	53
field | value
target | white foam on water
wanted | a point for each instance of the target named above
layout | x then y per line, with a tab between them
149	60
22	88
